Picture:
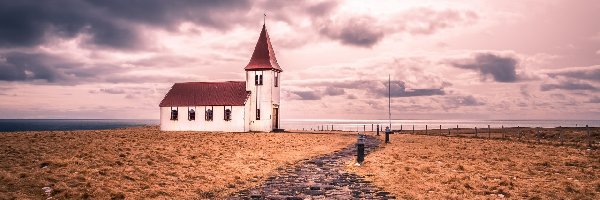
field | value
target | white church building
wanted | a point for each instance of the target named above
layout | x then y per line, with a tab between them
232	106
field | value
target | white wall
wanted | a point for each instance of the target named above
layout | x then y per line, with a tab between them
266	96
237	123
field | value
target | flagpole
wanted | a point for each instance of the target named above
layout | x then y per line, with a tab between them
390	100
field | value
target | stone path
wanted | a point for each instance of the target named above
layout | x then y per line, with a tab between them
320	178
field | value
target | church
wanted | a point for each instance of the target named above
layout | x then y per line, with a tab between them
231	106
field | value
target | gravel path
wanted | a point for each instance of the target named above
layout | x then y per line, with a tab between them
320	178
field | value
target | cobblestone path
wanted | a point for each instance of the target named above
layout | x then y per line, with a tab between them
320	178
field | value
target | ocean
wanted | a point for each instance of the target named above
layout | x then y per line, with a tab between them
10	125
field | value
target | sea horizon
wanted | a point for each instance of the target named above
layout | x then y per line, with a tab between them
15	125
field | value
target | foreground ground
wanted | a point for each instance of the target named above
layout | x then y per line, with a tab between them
146	163
439	167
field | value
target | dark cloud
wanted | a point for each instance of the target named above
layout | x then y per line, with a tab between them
463	101
357	31
502	69
306	95
427	21
568	86
45	68
366	31
594	100
31	67
583	73
112	90
380	88
110	23
332	91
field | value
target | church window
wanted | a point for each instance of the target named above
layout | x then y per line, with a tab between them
208	115
257	114
191	115
258	79
174	114
227	115
276	79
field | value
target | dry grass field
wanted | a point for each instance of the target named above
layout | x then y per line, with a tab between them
143	162
438	167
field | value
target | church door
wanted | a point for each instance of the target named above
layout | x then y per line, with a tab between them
275	118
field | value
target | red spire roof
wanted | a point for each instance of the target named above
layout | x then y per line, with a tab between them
263	57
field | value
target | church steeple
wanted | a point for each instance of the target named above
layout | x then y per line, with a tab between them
263	57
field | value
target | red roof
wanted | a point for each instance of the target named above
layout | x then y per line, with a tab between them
230	93
263	57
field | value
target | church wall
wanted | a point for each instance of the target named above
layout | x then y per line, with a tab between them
263	96
236	124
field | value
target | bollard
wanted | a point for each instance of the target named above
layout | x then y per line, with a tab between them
502	131
377	129
360	148
448	131
364	128
425	129
413	129
371	127
476	131
441	130
387	134
489	132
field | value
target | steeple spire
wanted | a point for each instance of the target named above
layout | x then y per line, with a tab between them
263	57
264	19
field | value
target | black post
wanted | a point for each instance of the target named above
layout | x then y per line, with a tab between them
489	132
441	130
371	127
589	136
425	129
413	129
360	147
476	131
387	134
502	131
377	129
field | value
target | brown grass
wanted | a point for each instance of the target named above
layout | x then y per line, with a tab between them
434	167
143	162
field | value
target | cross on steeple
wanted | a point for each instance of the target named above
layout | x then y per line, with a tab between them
264	18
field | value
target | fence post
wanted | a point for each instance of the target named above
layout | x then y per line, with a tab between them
441	130
502	131
489	132
560	135
377	129
371	127
449	131
426	129
589	136
413	129
476	131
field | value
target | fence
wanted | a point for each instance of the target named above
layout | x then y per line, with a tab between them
567	136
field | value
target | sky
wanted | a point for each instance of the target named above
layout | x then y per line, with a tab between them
494	59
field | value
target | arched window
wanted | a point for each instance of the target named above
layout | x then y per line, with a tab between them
191	115
209	115
227	115
174	114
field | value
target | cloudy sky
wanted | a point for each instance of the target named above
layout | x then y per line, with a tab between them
529	59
